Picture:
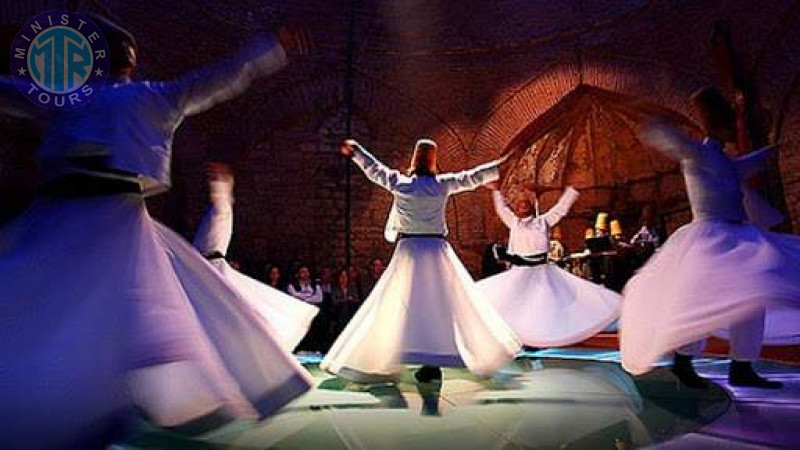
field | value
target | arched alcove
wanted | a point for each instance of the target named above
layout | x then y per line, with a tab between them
589	140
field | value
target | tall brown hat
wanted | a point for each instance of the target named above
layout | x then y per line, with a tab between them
602	221
423	161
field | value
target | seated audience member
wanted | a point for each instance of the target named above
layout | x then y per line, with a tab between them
374	272
274	277
344	300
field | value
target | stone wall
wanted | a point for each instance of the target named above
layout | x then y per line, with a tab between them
473	78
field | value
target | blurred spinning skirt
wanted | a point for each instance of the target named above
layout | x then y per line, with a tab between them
103	310
425	309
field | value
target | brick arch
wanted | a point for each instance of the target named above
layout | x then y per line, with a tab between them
379	101
663	85
314	99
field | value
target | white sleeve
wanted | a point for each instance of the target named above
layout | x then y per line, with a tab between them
390	232
216	228
562	207
375	171
505	213
199	90
471	179
670	141
753	162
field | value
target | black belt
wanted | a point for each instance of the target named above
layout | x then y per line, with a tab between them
420	235
528	261
82	185
214	255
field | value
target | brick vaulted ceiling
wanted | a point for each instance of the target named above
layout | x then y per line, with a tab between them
471	73
589	141
474	75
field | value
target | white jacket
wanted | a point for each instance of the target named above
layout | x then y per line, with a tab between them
419	201
531	235
127	129
715	182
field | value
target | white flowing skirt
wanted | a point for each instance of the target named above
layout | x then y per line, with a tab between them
781	326
425	309
708	276
103	310
547	306
290	318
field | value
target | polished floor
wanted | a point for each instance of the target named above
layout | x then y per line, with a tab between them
547	399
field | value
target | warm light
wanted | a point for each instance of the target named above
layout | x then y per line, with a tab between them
616	228
601	224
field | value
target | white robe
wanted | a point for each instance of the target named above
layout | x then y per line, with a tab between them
102	308
717	271
425	308
289	317
545	305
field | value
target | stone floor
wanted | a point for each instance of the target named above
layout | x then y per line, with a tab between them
567	398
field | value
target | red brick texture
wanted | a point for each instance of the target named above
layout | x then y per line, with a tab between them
473	75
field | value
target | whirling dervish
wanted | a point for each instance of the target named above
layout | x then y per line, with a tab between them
425	308
719	271
289	317
107	314
545	305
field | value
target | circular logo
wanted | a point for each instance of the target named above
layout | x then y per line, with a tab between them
60	59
